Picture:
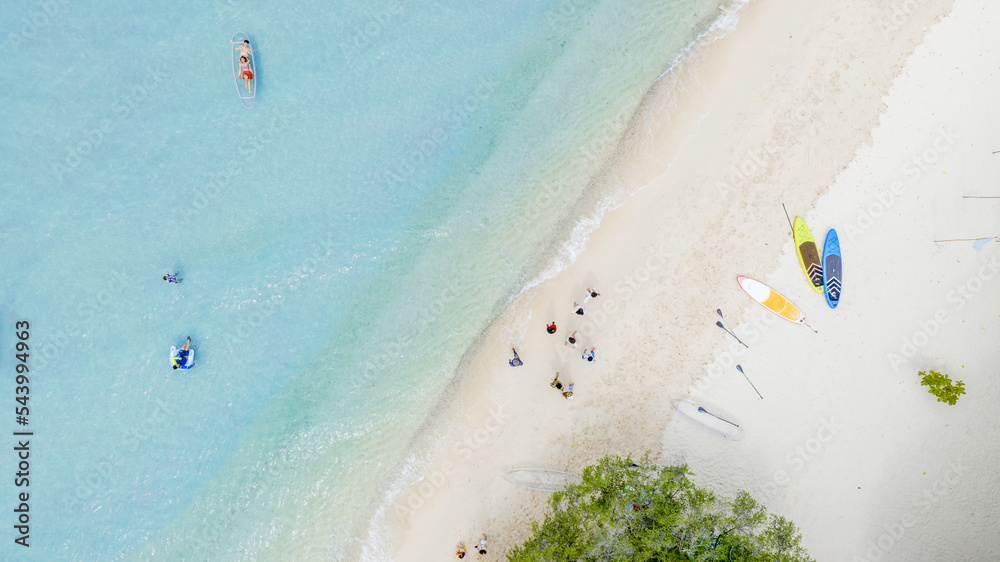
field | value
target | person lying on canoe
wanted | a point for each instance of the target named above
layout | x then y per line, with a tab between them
245	73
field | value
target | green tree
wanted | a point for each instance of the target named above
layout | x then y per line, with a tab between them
636	511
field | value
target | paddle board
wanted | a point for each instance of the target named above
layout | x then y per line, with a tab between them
808	255
246	98
832	265
187	364
771	300
709	419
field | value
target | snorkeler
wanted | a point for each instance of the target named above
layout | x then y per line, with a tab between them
171	278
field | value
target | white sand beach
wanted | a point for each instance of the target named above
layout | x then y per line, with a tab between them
874	118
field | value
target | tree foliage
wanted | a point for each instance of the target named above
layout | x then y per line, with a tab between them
628	511
942	387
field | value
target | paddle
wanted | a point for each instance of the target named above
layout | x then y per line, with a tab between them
789	219
740	369
719	324
704	411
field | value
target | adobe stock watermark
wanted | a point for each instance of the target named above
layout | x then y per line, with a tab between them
90	138
364	35
105	471
86	311
31	26
798	457
431	482
757	161
913	169
656	264
901	12
929	498
452	120
250	145
958	298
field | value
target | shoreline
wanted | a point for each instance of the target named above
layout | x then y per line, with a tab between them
659	261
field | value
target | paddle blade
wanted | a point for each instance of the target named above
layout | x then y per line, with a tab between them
978	244
719	311
719	324
702	410
740	369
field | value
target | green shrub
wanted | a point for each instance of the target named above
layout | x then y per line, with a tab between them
624	511
942	387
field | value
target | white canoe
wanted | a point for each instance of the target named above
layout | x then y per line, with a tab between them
541	479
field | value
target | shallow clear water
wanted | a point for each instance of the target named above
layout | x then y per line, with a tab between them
406	168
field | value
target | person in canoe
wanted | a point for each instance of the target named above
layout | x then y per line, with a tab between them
245	49
180	360
246	73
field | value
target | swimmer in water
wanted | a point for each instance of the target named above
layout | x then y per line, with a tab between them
171	278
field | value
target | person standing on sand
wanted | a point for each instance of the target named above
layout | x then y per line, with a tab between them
516	361
482	545
555	382
571	340
591	294
460	553
569	392
551	328
579	309
589	356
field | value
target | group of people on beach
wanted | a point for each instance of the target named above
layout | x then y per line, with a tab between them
588	355
480	548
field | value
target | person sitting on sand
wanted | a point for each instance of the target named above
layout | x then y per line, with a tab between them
571	340
171	278
460	553
591	294
589	356
569	392
556	384
482	545
182	355
516	361
551	328
246	73
579	309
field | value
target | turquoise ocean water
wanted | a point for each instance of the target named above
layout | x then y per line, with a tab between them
406	169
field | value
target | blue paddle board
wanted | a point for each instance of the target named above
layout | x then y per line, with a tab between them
832	268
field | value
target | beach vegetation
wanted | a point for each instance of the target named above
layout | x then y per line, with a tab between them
637	511
940	385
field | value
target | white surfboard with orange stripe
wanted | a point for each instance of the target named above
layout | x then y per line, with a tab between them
771	300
